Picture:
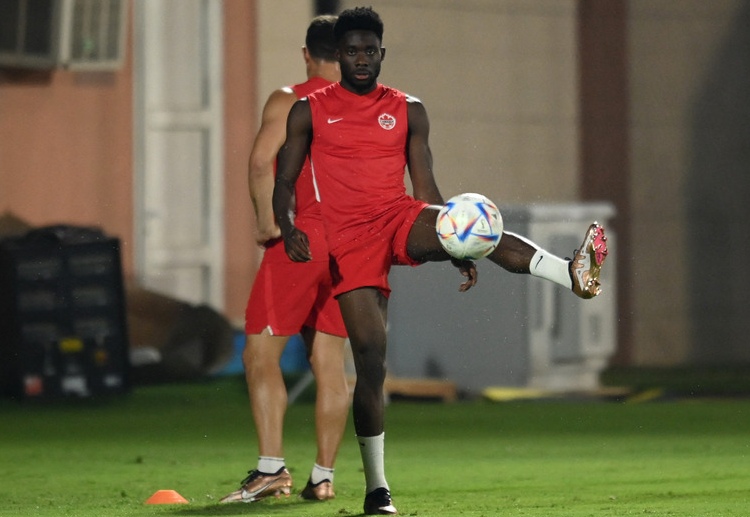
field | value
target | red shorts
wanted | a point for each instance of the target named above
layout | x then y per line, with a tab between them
366	260
287	295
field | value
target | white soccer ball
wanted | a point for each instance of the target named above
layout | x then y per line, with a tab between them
469	226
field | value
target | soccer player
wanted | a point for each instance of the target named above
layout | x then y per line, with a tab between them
361	136
289	297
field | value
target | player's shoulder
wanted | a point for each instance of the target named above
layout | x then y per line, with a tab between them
416	111
395	92
283	95
311	85
284	91
278	103
325	91
413	104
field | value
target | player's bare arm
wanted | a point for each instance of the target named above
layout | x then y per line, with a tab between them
267	143
419	154
291	158
419	158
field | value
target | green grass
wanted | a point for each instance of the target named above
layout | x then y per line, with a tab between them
685	457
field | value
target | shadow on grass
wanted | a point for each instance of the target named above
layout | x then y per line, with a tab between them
290	507
228	509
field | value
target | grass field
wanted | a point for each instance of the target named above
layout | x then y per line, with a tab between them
675	457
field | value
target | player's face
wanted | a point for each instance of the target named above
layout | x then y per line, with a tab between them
360	55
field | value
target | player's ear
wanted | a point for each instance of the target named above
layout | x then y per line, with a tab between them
382	53
306	55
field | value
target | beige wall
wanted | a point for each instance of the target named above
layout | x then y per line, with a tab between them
498	79
674	48
493	74
281	35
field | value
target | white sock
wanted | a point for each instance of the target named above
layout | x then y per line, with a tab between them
269	464
550	267
319	474
372	450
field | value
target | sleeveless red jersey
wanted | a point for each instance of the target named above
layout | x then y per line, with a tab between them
358	155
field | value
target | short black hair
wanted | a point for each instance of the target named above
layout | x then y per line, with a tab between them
320	41
359	19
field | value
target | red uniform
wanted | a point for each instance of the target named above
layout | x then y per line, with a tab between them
288	295
366	210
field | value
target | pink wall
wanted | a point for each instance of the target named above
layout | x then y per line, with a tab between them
240	124
66	154
66	150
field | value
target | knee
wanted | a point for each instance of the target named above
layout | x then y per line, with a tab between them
249	359
370	363
258	358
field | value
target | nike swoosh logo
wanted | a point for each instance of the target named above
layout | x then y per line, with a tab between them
252	495
334	120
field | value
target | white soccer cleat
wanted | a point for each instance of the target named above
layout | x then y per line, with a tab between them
587	263
259	485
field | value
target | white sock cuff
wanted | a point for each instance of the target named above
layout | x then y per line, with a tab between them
365	440
319	474
270	464
551	267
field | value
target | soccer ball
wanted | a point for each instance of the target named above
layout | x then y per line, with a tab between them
469	226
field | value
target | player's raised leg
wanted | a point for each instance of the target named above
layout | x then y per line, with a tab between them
518	254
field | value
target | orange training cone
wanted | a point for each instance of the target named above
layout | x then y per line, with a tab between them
166	497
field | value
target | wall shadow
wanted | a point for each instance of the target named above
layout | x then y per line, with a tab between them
717	201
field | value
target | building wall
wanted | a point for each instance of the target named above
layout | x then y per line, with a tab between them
263	52
604	141
690	179
66	149
499	79
281	35
66	153
241	114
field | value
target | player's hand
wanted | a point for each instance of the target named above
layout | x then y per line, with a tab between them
297	246
265	235
468	269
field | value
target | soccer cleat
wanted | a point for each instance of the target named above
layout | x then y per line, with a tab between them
378	502
259	485
321	491
587	263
